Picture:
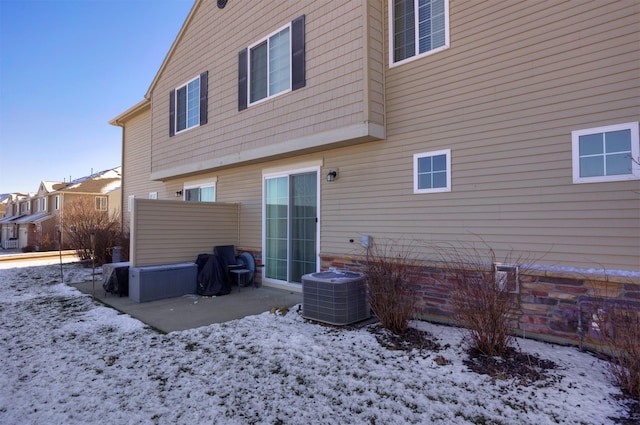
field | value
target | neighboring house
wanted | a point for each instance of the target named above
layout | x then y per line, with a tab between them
4	199
8	226
510	124
32	221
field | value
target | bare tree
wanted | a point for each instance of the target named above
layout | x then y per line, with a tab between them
83	224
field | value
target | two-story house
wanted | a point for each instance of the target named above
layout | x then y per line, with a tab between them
513	124
32	221
8	227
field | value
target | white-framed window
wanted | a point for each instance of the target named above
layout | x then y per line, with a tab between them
605	154
200	194
101	203
188	104
153	195
273	65
42	205
270	65
432	171
417	28
56	202
200	190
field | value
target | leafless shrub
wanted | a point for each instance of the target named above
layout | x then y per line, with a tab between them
391	295
619	328
82	222
482	299
47	243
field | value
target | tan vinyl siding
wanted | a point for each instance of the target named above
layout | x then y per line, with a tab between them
517	79
174	231
243	185
374	72
136	162
335	97
115	202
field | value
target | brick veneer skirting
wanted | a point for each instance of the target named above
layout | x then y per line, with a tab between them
553	306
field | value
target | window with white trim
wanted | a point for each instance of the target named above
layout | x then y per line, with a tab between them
432	171
605	154
153	195
101	203
273	65
204	193
188	104
270	66
56	202
417	28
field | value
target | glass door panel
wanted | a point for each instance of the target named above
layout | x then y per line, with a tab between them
276	231
291	209
303	225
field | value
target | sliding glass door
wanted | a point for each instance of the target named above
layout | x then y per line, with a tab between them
291	226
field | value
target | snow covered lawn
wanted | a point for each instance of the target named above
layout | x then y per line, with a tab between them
66	360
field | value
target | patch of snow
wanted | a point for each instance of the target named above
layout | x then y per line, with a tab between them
110	187
587	272
67	359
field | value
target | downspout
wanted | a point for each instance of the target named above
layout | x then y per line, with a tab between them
238	226
123	198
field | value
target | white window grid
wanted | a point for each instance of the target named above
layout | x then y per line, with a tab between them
417	157
634	153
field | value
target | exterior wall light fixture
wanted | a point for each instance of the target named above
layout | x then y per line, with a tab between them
178	193
332	175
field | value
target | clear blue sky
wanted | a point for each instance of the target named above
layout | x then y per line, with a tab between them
67	67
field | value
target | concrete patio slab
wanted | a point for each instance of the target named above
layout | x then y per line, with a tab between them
193	311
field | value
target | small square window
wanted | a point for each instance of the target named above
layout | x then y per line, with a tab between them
606	154
432	172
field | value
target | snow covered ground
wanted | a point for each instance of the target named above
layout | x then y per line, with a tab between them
66	360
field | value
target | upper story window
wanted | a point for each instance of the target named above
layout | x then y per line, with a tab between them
432	172
101	203
42	204
56	202
605	154
417	28
273	65
270	66
188	104
153	195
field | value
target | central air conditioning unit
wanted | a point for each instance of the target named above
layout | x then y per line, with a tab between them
335	297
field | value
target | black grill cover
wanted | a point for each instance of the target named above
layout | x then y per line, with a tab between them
211	276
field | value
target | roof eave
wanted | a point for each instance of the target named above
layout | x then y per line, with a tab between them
131	112
173	47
